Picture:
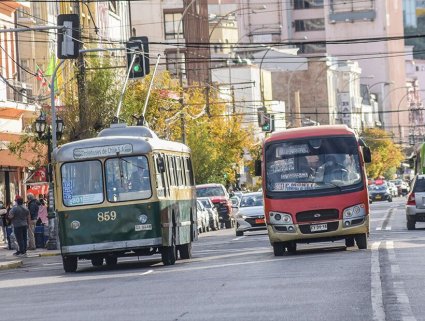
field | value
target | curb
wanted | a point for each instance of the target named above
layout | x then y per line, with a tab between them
10	265
48	254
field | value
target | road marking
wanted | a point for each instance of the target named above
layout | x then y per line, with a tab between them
379	228
147	272
399	288
238	238
376	286
388	228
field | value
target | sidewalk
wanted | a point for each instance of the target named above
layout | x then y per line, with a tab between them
9	261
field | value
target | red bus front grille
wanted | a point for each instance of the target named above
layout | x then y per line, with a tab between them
317	215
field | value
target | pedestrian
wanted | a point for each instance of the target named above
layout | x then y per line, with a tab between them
33	206
20	218
3	222
42	212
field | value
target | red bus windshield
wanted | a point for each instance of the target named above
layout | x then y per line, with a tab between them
313	165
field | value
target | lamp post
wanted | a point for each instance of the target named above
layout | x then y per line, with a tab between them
40	129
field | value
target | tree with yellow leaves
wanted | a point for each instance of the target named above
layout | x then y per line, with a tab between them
386	156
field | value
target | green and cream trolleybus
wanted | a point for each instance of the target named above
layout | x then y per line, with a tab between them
124	193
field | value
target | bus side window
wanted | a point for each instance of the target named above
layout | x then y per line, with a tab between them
171	170
191	178
159	176
179	171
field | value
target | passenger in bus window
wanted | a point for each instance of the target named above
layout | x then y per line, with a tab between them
139	180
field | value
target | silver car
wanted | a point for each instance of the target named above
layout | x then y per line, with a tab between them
250	213
203	217
214	221
415	207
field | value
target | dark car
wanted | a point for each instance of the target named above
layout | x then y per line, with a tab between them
221	200
379	193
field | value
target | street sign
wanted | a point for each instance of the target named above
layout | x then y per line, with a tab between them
68	36
138	46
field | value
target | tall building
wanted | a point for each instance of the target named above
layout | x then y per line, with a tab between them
179	30
368	32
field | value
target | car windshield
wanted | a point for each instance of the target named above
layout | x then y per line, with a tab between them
206	203
251	200
209	191
378	188
312	164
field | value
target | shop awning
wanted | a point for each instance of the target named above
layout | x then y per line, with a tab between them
12	160
11	113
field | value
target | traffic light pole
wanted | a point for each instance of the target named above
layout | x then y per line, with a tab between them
124	87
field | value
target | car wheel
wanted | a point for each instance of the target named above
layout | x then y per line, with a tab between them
361	240
239	233
411	224
349	241
278	249
390	199
228	224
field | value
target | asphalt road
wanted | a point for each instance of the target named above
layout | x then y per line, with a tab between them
236	278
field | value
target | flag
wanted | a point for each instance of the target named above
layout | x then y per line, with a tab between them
51	68
52	65
40	75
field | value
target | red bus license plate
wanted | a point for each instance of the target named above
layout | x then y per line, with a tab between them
259	221
318	227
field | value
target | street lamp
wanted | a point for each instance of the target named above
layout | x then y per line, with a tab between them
40	129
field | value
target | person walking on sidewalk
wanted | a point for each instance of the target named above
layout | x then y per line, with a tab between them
33	207
20	218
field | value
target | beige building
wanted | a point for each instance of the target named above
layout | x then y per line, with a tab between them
330	27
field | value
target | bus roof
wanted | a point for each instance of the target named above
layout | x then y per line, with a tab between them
126	140
311	131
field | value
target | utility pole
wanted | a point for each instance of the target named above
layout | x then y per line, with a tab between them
81	80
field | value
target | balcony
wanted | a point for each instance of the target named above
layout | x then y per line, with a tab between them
21	92
351	11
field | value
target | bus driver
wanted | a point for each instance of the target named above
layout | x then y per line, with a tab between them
139	180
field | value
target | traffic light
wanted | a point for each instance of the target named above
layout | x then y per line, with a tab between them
138	46
268	123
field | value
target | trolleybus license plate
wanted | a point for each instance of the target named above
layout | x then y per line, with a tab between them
143	227
318	227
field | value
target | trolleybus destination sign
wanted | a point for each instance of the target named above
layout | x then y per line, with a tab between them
102	151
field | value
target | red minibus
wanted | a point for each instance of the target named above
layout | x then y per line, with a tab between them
315	187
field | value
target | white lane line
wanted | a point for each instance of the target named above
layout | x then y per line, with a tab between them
399	288
238	238
388	228
379	228
376	286
147	272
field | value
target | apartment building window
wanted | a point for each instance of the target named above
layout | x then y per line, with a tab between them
171	60
351	5
308	4
171	25
310	25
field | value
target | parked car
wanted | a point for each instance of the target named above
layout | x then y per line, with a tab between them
221	200
402	186
250	214
203	217
415	206
379	193
213	221
393	189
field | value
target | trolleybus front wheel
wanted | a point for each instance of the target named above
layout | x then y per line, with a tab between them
97	261
70	263
169	253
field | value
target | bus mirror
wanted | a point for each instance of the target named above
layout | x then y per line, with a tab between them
161	166
257	167
367	157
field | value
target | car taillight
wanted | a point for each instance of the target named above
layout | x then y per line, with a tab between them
411	199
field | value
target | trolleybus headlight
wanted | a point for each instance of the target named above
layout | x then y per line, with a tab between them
75	225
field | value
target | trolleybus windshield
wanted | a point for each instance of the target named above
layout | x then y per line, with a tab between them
82	183
312	165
